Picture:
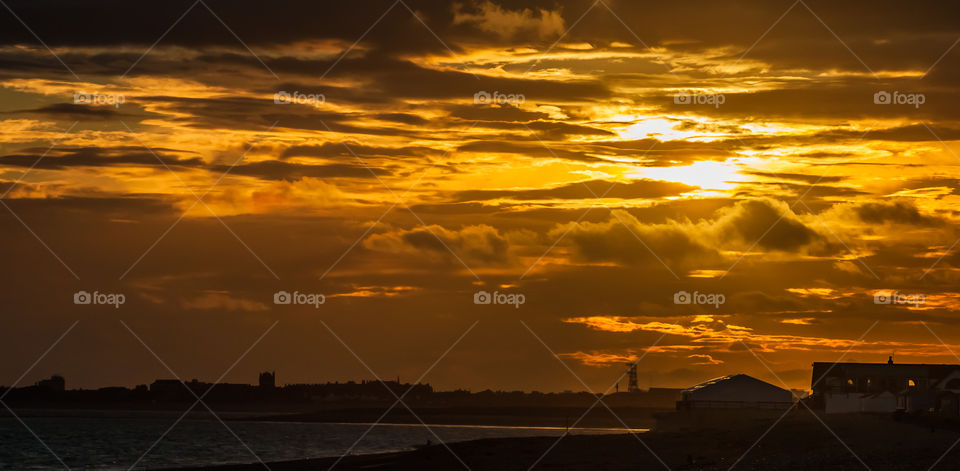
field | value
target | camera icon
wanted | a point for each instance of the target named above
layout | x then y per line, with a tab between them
282	98
682	297
82	98
882	98
482	297
682	98
481	98
82	297
882	299
282	297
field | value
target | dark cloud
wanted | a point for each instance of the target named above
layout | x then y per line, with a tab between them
403	118
652	152
129	206
276	170
812	193
351	148
60	159
72	112
502	113
585	190
532	149
749	224
800	177
624	239
63	159
481	243
771	226
953	184
899	212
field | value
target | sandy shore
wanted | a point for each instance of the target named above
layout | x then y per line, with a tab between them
597	417
799	442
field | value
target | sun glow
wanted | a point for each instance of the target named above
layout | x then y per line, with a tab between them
706	174
667	129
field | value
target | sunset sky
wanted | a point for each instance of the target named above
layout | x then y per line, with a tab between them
629	151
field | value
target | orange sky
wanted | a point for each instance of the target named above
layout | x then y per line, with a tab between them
796	160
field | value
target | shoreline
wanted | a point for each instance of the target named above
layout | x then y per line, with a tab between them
547	418
204	443
552	418
478	426
840	442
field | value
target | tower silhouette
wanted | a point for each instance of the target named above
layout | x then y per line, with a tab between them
632	378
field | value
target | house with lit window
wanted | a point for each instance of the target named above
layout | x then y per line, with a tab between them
887	387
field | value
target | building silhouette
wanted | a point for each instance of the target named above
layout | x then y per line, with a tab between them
735	392
268	380
55	383
887	387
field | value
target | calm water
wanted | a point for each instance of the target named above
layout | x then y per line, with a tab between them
116	443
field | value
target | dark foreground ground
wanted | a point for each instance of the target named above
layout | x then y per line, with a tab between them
597	417
799	442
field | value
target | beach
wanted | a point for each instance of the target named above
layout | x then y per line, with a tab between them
800	441
579	416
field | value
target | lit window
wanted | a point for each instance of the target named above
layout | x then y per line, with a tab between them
911	383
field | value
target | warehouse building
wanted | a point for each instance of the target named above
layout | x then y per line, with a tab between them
735	392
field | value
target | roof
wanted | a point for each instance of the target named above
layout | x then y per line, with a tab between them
738	378
882	364
823	370
709	383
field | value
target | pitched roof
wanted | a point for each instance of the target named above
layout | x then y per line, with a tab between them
734	378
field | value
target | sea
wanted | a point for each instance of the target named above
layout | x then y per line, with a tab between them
154	442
